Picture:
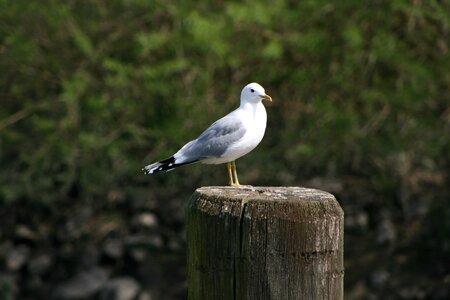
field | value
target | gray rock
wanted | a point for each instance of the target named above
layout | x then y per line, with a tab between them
76	225
356	220
145	220
113	248
40	264
90	256
25	233
138	254
412	292
83	286
138	246
386	231
146	295
379	278
146	241
17	257
174	244
123	288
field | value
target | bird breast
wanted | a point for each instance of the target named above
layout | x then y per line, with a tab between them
255	118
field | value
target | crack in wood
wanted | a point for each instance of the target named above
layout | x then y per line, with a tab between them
264	243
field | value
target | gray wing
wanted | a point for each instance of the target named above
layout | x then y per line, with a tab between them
214	141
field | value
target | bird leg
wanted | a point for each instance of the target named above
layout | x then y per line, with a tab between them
236	180
230	174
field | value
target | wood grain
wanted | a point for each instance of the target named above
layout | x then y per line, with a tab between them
264	243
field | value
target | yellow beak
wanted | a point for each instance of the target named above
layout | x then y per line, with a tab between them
267	97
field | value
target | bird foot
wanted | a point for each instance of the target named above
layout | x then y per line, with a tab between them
239	185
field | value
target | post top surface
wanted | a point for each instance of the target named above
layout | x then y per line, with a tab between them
266	193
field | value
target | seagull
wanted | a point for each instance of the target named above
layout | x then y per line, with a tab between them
227	139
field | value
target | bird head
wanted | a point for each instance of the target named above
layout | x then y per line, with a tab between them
254	92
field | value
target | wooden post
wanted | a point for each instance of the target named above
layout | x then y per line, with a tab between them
257	243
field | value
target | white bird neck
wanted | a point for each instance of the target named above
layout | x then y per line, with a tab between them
247	105
252	108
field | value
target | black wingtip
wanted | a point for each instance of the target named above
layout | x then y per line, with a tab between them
164	166
170	160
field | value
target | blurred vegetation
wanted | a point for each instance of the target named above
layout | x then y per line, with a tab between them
91	91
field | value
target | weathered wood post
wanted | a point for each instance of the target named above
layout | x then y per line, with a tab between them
257	243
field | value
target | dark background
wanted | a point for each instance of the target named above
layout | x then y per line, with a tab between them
91	91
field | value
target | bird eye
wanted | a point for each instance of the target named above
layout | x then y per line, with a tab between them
252	90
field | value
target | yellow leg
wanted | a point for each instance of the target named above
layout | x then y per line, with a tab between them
236	180
230	173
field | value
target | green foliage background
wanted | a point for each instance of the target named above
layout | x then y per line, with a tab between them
93	90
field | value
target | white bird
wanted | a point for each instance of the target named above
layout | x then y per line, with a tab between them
227	139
